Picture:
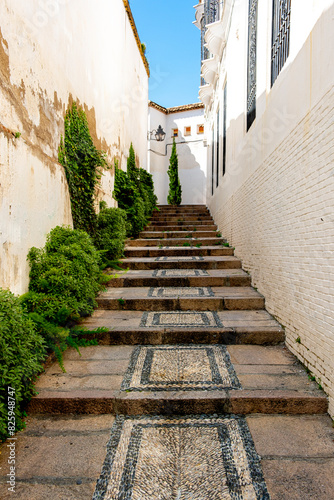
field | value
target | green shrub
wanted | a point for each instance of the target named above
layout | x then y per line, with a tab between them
21	352
111	233
175	192
64	276
134	191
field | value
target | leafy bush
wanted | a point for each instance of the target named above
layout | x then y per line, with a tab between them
134	191
175	191
83	164
22	350
111	233
64	276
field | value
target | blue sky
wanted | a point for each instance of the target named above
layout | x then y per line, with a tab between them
173	49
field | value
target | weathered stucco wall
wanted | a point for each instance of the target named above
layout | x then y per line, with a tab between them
191	154
275	203
51	53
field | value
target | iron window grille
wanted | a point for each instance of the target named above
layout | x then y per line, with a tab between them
251	78
217	147
213	161
224	129
212	10
280	36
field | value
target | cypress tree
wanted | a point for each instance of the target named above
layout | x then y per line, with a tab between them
132	170
175	191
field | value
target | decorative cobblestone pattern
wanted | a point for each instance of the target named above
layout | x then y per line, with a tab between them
181	458
181	292
179	273
166	259
181	319
176	368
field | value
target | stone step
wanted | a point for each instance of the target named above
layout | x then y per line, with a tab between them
217	251
192	262
181	207
170	213
181	216
185	327
180	225
177	234
189	229
182	210
175	241
181	278
184	299
179	380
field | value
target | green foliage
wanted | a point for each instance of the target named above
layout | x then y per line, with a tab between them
175	191
218	234
64	276
134	191
21	352
83	164
111	233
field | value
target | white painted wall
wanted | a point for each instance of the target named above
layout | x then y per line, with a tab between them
275	203
53	52
191	155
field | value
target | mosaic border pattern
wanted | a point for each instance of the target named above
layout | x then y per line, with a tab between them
203	291
176	257
239	461
223	375
179	273
210	319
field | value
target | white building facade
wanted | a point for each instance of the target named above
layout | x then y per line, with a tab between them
186	125
53	53
267	86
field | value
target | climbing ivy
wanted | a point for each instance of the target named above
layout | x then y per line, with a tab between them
175	190
83	164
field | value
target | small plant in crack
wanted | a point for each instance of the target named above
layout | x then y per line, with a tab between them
186	244
298	340
218	234
121	301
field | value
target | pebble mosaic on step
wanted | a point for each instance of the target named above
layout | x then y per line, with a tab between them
180	368
181	292
183	319
181	458
180	273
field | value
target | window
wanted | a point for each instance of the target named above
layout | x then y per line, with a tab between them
200	129
175	132
187	131
251	79
280	36
224	129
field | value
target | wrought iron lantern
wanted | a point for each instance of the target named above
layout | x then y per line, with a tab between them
159	134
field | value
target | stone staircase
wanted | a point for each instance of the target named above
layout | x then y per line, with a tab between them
203	400
183	298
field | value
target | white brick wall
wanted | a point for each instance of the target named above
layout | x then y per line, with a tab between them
281	222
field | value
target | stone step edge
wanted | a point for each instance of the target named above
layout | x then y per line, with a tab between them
255	335
194	281
153	252
242	402
182	304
